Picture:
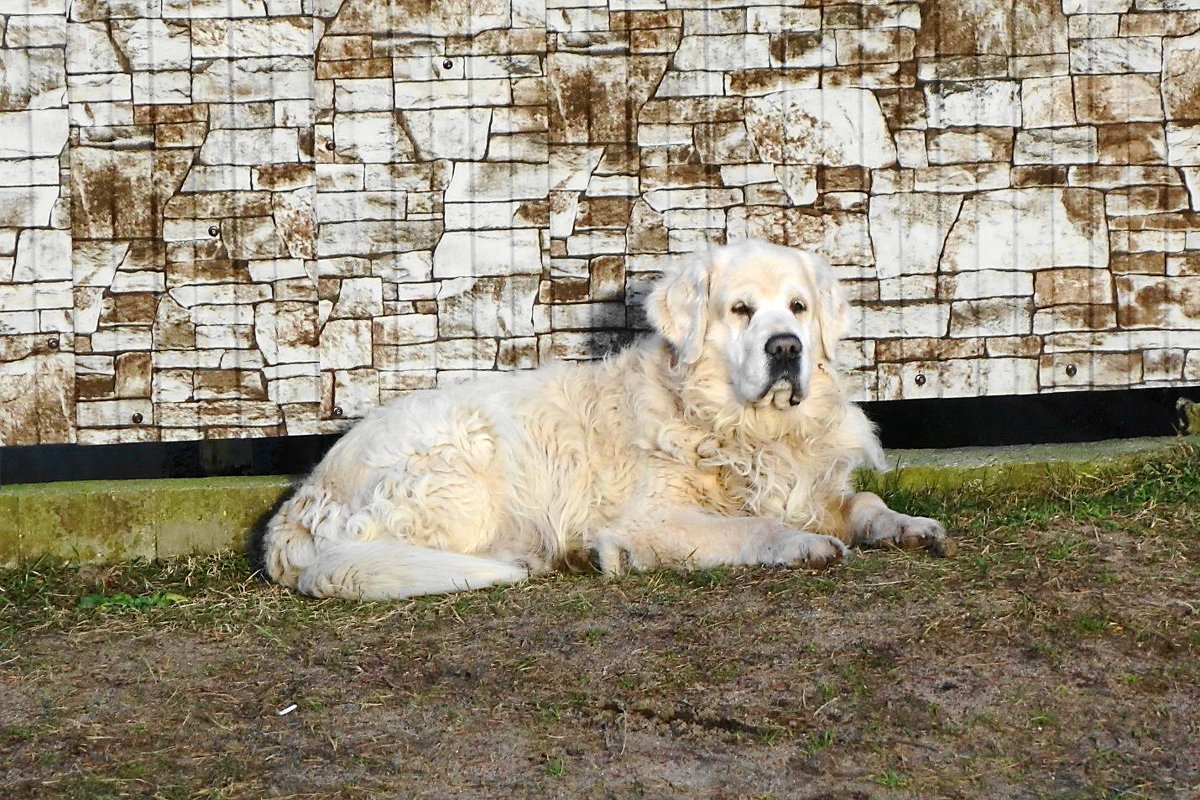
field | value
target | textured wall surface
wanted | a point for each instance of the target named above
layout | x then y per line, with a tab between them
260	217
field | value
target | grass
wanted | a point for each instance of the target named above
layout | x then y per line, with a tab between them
1056	655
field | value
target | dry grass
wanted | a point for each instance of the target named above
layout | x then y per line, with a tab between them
1054	656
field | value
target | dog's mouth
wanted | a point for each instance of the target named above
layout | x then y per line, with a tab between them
784	388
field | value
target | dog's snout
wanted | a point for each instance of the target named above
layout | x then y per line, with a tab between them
783	346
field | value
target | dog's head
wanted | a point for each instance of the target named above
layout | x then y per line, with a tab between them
771	314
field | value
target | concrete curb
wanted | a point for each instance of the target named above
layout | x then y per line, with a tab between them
110	521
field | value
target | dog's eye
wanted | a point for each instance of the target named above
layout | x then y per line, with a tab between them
798	307
742	309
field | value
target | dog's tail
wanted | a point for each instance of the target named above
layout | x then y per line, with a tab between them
382	569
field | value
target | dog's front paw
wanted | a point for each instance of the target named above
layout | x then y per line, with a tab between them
802	549
893	529
609	555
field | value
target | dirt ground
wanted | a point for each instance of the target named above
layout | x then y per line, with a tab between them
1056	655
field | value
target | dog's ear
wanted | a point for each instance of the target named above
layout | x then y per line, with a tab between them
678	307
833	312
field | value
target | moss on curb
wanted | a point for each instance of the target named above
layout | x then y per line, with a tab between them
108	521
111	521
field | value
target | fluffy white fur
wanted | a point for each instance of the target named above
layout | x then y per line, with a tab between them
693	448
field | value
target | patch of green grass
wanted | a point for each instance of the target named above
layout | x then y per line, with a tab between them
817	741
122	601
1092	623
554	766
891	779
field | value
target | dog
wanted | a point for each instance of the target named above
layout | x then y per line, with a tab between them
724	438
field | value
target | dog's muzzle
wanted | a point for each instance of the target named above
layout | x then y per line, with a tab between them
784	351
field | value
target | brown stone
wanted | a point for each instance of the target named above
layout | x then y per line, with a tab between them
94	387
647	232
679	176
1166	23
564	290
1089	369
1038	175
1055	287
1142	263
1141	200
166	113
658	40
365	68
1013	346
992	27
843	179
1145	301
1181	77
1132	143
341	48
603	212
133	376
595	98
173	327
763	81
1184	264
283	176
38	398
873	46
928	349
1164	364
180	134
1117	98
607	278
231	384
128	309
903	108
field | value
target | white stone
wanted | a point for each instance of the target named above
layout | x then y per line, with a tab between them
207	9
29	172
1116	55
243	80
691	84
974	103
39	132
799	182
33	78
503	214
833	127
978	284
1028	229
91	49
456	133
363	94
911	318
730	52
359	298
103	87
908	231
503	252
173	86
502	306
373	137
27	206
112	413
345	344
152	44
1097	6
445	94
346	206
251	147
218	178
36	30
1183	144
572	168
1077	145
43	255
227	38
663	199
477	181
1047	102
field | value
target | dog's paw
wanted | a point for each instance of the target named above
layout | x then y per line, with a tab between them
893	529
609	556
803	549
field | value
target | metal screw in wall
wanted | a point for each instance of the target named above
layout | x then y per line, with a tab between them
213	230
1071	370
920	379
447	64
337	411
329	145
52	343
137	418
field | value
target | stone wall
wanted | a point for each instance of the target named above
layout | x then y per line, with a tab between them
225	218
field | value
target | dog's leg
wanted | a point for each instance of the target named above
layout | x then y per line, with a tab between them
695	539
870	523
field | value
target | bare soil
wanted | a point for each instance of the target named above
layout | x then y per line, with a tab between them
1056	655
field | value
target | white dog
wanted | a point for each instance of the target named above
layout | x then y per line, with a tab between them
724	439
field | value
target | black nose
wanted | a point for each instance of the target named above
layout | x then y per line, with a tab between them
783	346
